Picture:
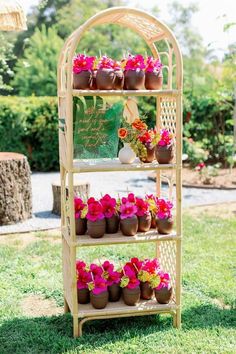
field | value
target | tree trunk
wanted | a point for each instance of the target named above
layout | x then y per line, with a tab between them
15	188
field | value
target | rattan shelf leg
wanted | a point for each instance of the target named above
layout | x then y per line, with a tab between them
66	307
178	318
76	327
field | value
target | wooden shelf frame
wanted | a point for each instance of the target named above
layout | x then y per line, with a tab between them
168	115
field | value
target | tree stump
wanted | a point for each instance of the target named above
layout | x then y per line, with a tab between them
81	189
15	188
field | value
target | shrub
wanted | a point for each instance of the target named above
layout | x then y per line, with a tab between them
29	125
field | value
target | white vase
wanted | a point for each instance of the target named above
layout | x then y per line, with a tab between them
126	154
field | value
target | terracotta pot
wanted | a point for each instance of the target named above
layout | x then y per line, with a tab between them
83	296
119	80
105	79
153	80
144	222
131	296
83	80
80	226
163	296
114	292
112	224
96	229
153	222
126	154
93	82
129	226
99	301
150	155
165	226
164	154
146	291
134	80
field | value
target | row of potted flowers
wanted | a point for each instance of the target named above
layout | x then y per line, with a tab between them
147	144
133	73
135	280
131	214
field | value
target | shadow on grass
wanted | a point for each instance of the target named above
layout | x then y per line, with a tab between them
54	334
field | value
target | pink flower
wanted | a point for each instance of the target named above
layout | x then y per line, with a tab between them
100	285
132	267
82	62
131	198
95	211
83	278
142	207
200	166
133	283
127	210
164	280
79	206
153	65
80	265
151	266
109	205
106	63
108	267
91	200
164	209
135	62
95	269
113	278
166	138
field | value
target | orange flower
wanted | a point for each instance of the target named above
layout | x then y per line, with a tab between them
122	133
139	125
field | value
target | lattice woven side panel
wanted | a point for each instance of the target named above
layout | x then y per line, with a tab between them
167	257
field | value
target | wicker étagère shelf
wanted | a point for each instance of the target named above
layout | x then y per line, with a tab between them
169	116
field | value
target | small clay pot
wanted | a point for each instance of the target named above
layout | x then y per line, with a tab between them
99	301
131	296
165	226
112	224
144	222
114	292
153	222
80	226
164	154
93	82
134	79
96	229
83	80
150	155
146	291
105	79
83	296
153	80
119	80
163	296
129	226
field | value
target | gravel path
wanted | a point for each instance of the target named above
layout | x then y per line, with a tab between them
112	182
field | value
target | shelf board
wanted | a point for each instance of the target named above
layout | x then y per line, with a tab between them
124	92
118	238
109	165
119	308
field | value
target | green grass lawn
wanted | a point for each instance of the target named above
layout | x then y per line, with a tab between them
209	290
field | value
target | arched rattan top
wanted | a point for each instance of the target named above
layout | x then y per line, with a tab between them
147	26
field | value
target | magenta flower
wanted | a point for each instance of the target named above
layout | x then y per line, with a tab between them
95	269
142	207
100	285
79	206
106	63
151	266
82	62
164	280
83	278
130	198
108	266
166	138
153	65
113	278
135	62
80	265
109	205
95	211
164	208
127	210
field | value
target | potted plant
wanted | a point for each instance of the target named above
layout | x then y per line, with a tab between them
113	281
96	222
110	210
134	72
130	286
83	278
164	216
109	74
153	74
98	292
163	292
119	76
164	150
80	216
143	214
128	218
146	146
82	71
126	154
148	276
152	202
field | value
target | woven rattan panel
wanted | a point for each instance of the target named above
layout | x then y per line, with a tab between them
167	256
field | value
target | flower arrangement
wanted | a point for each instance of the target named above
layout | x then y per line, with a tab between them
106	63
80	208
165	138
113	276
110	206
164	149
134	62
164	281
153	65
95	210
82	62
83	275
142	207
164	209
127	210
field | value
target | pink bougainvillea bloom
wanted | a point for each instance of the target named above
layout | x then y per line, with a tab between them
95	211
153	65
164	280
109	205
164	208
82	62
142	207
79	206
135	62
100	285
127	210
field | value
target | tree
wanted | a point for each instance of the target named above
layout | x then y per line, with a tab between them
6	56
36	71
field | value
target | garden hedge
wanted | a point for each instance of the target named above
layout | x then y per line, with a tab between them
29	125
